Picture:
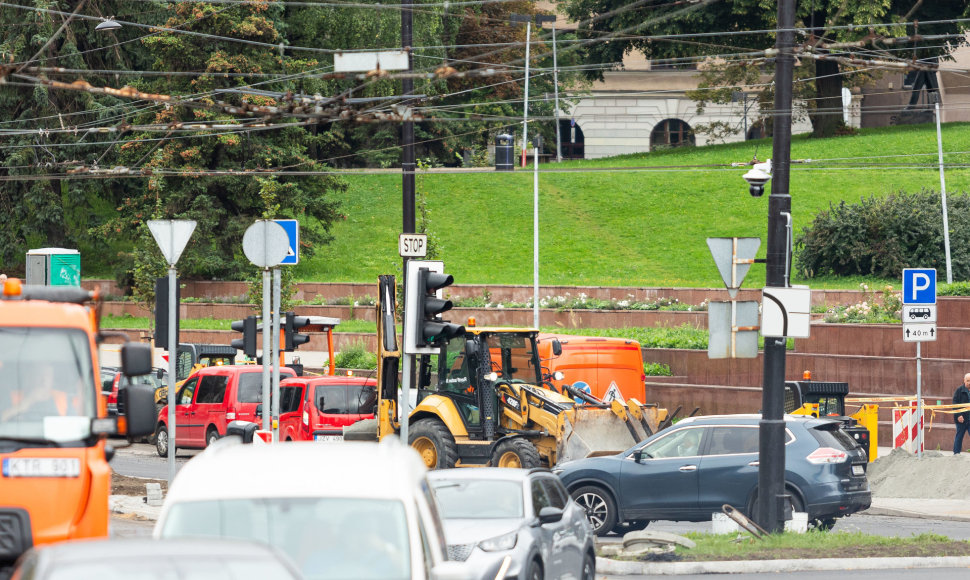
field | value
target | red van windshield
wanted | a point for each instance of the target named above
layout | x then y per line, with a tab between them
345	399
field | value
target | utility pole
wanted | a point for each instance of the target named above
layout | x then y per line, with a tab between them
771	474
527	19
407	128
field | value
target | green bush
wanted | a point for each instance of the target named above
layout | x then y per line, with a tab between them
881	236
356	356
657	370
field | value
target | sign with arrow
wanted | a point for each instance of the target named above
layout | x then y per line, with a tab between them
733	257
919	304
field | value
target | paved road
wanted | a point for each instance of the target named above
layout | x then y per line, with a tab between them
141	460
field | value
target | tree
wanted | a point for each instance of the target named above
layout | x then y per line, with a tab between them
630	26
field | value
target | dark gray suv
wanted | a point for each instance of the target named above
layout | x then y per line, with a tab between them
690	470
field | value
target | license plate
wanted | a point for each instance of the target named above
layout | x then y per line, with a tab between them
858	470
328	438
41	467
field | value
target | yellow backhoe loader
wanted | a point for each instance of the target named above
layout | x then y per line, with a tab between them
483	400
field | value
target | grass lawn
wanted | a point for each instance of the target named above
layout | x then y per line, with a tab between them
637	220
813	544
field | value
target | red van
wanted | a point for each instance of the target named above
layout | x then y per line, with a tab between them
318	408
210	399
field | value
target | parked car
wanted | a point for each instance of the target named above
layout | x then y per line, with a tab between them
146	559
493	512
208	401
111	380
341	512
691	469
318	408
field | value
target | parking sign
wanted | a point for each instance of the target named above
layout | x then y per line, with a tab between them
919	286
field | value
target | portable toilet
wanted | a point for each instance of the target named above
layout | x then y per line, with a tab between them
54	267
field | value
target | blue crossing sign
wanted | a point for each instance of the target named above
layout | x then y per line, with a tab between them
919	286
292	228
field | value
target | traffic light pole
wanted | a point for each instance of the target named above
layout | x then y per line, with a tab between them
771	473
277	287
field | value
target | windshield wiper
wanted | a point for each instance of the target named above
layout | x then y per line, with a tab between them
34	441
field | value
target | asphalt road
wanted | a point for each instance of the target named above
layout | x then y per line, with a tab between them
908	574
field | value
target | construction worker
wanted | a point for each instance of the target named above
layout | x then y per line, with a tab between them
962	420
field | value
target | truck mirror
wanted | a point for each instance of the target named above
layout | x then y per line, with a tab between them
139	404
136	359
556	347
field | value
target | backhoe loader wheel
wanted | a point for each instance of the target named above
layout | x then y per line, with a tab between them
432	440
516	452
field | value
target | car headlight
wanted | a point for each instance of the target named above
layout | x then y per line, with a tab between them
499	543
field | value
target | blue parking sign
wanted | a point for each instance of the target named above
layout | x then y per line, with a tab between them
292	228
919	286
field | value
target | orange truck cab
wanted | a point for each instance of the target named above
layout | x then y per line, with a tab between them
607	368
54	423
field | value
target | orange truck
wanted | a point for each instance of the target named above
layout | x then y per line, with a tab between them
607	368
54	422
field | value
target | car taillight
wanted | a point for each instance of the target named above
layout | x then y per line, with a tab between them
306	418
230	416
827	455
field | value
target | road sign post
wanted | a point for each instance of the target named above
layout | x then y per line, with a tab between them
919	303
266	244
171	237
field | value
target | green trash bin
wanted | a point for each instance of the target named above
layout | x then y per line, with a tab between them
54	267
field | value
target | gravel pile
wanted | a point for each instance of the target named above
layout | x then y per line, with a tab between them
935	476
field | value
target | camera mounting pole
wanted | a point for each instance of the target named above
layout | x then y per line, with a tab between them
772	501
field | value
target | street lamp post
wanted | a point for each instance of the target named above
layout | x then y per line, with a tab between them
527	19
770	510
540	20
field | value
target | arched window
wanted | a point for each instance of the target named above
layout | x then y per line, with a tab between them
671	133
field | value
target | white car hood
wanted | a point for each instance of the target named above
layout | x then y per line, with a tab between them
471	531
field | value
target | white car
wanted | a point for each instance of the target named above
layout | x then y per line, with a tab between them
339	511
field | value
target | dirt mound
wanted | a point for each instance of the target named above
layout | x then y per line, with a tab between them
935	476
125	485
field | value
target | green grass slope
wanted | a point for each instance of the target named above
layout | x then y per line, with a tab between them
638	220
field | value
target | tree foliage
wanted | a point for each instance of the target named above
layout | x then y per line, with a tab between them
881	236
631	26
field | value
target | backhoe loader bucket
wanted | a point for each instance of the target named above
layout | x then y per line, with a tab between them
591	431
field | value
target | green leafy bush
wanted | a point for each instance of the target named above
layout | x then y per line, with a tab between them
871	310
657	370
356	356
879	236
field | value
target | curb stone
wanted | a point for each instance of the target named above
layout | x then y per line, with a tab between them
623	568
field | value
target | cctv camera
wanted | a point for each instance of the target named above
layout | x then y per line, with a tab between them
756	178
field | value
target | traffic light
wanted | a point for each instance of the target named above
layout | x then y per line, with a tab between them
247	343
430	330
293	339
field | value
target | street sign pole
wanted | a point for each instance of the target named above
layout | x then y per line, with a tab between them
919	303
277	288
267	352
266	244
171	237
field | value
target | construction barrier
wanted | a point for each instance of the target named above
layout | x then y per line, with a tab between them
907	428
263	437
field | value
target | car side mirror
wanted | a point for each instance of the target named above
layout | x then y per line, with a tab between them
549	515
638	455
259	410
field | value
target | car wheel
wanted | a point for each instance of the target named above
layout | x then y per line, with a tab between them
211	437
534	571
630	526
434	443
599	506
517	452
589	567
161	441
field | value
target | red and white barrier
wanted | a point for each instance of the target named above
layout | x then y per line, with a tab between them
262	437
907	430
